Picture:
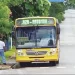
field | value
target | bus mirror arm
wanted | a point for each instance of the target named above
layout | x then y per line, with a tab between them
58	31
13	34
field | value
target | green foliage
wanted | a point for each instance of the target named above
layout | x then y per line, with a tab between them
37	8
26	8
71	1
4	11
5	23
57	10
70	4
5	2
15	2
60	16
10	52
30	8
12	2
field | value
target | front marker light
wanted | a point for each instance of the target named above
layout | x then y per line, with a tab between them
19	50
52	51
21	53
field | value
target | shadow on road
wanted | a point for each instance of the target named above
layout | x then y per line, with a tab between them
38	65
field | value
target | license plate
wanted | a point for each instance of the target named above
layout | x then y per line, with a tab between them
36	60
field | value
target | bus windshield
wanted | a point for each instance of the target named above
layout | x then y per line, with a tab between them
33	37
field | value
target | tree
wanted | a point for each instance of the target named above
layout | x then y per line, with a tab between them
5	23
12	2
70	3
26	8
57	10
37	7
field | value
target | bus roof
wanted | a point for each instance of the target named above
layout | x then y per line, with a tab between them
35	17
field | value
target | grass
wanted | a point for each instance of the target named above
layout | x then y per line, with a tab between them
10	52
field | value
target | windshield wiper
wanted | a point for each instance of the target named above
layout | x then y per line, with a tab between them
48	47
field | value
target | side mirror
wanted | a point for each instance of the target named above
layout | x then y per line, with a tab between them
13	34
58	30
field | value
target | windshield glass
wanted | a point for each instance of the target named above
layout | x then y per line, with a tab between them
30	37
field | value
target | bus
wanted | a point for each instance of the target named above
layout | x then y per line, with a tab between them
37	40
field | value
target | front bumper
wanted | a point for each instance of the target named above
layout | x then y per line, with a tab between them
36	58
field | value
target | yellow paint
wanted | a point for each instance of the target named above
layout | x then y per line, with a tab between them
45	57
30	58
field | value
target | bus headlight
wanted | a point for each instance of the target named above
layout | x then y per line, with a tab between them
20	52
52	51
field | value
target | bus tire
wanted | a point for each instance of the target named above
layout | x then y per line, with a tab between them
57	62
53	63
24	64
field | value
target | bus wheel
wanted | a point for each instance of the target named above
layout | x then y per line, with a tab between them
53	63
24	64
57	62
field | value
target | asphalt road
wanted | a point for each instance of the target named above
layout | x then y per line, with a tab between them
67	52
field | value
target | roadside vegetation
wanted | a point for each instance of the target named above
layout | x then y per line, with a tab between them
10	54
57	10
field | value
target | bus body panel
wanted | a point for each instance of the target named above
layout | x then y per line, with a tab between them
42	54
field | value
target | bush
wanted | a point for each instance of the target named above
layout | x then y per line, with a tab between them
10	53
60	17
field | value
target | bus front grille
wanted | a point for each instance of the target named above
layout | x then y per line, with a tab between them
36	52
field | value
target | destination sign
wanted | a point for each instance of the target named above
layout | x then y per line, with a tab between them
35	22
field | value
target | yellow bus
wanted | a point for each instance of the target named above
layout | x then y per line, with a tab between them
37	40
